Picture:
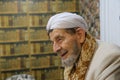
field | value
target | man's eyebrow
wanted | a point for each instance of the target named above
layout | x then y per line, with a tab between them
55	37
58	36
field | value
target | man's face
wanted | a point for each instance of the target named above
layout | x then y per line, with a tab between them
66	45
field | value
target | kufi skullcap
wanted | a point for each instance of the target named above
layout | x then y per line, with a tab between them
66	20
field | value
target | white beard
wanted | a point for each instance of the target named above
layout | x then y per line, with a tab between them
70	61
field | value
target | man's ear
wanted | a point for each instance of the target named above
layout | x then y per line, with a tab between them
80	34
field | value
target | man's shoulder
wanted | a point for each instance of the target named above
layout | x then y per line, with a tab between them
105	62
105	54
108	48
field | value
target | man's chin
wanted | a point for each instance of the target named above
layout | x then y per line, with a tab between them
66	65
67	62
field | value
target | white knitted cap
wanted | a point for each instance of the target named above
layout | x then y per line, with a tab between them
66	20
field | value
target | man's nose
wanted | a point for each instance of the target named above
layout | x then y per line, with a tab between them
56	48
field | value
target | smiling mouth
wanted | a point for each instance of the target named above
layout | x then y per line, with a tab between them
63	54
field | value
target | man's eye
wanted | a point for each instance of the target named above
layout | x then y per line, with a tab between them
59	40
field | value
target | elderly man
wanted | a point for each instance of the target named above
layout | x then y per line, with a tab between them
83	57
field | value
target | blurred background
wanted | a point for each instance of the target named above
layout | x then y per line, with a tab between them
24	45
